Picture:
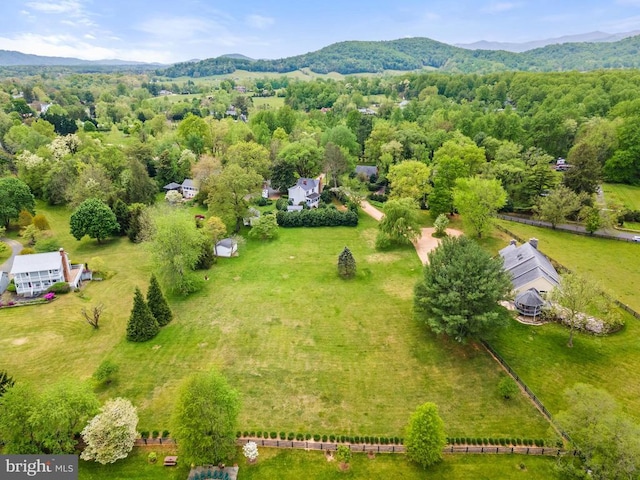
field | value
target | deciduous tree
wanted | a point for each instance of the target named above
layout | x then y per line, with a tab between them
461	288
425	437
478	201
556	207
410	179
176	248
608	441
229	191
93	218
204	419
400	224
265	228
15	196
110	435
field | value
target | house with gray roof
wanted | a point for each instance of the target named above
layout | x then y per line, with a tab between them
306	190
227	247
35	273
189	189
529	268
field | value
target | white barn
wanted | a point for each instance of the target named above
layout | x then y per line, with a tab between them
226	247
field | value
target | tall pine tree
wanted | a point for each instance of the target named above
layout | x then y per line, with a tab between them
346	264
157	303
142	326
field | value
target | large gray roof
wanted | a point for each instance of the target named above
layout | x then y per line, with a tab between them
368	170
526	264
226	242
188	183
36	262
307	183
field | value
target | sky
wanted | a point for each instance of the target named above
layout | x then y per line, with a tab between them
179	30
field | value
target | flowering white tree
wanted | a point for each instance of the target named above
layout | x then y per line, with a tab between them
250	451
110	435
173	197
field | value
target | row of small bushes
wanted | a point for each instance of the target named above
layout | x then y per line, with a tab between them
321	217
376	197
503	442
154	434
321	438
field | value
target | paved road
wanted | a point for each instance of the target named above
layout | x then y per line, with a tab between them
16	248
569	227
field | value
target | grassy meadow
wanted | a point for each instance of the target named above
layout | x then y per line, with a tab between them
308	351
540	355
622	195
297	464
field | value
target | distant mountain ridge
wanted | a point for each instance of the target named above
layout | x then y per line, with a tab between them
10	58
410	54
592	37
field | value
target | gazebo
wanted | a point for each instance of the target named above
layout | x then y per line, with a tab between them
529	303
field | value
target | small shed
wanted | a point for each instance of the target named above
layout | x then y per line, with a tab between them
226	247
529	303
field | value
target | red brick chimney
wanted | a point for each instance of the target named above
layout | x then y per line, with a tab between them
65	265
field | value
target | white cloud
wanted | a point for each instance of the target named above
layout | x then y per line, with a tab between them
499	7
71	46
259	21
62	6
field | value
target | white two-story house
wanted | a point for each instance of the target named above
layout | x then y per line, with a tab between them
306	190
35	273
189	189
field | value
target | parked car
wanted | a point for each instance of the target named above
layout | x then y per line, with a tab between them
636	238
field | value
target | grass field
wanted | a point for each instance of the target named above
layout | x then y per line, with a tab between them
308	351
622	195
272	103
540	355
297	464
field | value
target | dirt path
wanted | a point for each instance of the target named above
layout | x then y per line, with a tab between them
424	244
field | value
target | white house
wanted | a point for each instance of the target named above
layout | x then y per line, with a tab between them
227	247
189	189
306	190
33	274
529	268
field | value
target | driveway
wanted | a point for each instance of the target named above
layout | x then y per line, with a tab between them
16	248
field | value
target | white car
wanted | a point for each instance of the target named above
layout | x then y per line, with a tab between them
636	238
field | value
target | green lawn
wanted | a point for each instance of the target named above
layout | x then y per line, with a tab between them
622	195
272	103
540	355
308	351
297	464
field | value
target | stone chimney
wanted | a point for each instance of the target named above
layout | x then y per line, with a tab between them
513	242
65	265
533	242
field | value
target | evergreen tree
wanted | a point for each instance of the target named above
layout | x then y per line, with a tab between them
121	211
346	264
157	303
142	325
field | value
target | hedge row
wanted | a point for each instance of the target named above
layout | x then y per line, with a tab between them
321	438
320	217
502	442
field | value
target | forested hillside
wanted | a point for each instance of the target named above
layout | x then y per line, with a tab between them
419	53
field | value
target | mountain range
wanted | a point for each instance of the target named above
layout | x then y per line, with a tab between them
592	37
595	50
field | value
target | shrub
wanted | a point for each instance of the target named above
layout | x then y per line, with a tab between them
144	434
507	388
357	439
27	251
332	438
152	457
40	222
11	287
273	435
165	434
342	438
376	197
105	372
307	436
252	433
316	437
299	437
281	204
283	436
325	217
45	245
155	434
245	433
59	288
291	436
